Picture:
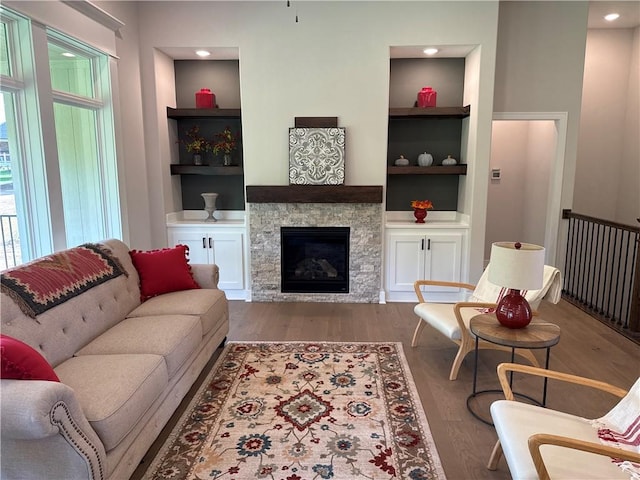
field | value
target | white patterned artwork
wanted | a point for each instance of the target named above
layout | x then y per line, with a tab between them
316	156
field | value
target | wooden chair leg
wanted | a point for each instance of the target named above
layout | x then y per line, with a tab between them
417	332
457	362
496	455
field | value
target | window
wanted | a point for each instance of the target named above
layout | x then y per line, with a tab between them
12	226
77	79
58	170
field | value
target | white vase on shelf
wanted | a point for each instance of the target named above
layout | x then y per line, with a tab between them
401	162
425	159
210	205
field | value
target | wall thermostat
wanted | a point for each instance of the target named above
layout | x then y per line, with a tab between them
495	174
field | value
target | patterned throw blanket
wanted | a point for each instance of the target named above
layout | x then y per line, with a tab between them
49	281
620	428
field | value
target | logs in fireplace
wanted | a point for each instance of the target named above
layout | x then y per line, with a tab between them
315	259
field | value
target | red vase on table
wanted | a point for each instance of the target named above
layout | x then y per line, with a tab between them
420	214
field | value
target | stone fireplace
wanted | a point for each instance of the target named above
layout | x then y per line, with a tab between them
359	211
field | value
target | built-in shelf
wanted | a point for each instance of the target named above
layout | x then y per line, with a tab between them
314	194
433	170
181	169
444	112
177	113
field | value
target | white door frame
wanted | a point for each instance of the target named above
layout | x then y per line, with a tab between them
554	211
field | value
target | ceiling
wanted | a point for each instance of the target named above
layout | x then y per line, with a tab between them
629	11
629	14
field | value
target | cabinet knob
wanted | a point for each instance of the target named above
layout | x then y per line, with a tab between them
210	246
429	244
204	242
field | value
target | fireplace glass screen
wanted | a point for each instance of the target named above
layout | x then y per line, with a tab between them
315	259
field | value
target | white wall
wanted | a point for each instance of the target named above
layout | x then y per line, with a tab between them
539	68
334	62
505	199
540	158
602	126
628	205
133	170
608	156
524	152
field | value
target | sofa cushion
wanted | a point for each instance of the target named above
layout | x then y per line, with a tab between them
62	330
174	337
163	270
114	391
210	305
21	362
515	422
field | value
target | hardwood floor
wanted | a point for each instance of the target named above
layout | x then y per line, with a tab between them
587	347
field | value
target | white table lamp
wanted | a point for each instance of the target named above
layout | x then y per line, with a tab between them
516	266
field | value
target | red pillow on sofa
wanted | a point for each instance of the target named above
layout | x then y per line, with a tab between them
20	361
164	270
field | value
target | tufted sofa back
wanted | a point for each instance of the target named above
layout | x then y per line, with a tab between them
62	330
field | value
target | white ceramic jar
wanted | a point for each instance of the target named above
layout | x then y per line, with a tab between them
401	162
425	159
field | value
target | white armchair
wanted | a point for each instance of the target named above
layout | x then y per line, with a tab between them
544	443
452	320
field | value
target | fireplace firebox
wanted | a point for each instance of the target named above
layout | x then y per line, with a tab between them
315	259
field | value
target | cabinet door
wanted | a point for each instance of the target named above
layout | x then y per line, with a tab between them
228	255
442	261
406	261
198	243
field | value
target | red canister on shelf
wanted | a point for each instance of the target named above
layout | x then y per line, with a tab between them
427	97
205	99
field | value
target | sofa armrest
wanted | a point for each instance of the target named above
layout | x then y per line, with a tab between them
207	275
43	420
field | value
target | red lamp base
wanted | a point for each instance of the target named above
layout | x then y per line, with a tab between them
514	311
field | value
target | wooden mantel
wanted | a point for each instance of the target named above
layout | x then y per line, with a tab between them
314	194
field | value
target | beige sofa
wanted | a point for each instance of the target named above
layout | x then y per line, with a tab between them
124	367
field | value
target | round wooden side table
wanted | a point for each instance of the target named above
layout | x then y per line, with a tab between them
537	335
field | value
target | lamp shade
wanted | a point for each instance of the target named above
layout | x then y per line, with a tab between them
519	266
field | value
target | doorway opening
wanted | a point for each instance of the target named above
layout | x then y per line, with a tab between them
525	184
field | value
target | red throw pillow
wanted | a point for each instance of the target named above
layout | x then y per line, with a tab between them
163	271
20	361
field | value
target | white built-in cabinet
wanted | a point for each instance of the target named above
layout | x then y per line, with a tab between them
221	244
423	253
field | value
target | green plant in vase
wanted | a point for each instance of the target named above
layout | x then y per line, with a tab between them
195	144
226	143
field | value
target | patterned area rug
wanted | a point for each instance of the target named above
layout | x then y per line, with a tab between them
298	411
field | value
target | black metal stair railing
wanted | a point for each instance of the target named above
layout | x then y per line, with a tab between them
600	274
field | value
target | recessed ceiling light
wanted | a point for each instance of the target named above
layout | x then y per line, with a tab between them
202	53
67	54
611	17
430	51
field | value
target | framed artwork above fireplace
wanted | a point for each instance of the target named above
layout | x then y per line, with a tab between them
316	156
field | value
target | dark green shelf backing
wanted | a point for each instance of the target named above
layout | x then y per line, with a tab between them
412	136
227	187
442	190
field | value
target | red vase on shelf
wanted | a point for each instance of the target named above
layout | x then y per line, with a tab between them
420	214
205	99
427	97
